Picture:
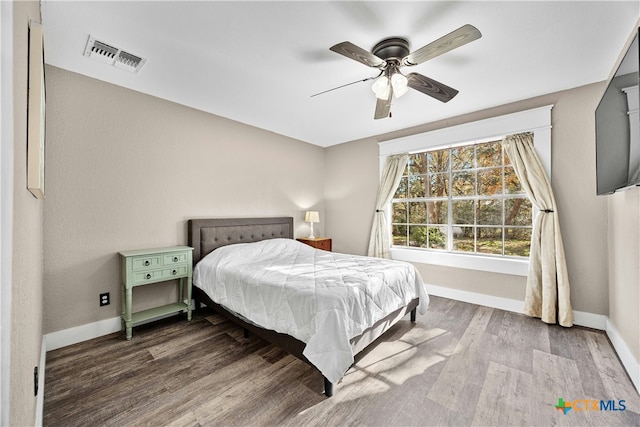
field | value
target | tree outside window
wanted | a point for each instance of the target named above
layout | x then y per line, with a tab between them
464	199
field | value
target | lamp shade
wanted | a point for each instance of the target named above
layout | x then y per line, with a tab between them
381	87
312	216
399	83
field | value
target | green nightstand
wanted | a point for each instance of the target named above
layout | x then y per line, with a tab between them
147	266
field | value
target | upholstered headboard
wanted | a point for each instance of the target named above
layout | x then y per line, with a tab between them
207	234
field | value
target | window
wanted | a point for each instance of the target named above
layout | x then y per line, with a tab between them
442	212
464	199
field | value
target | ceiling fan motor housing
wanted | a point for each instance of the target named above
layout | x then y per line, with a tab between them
391	48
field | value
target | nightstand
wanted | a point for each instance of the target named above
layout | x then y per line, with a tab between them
323	243
146	266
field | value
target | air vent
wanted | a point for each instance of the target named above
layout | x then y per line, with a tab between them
111	55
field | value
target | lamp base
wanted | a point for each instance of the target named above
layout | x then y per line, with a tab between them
311	236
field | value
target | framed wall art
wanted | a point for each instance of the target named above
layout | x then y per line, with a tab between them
36	112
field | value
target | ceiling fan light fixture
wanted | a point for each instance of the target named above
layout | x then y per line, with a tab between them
381	87
399	83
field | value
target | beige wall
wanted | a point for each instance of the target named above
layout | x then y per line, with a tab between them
126	170
350	194
624	266
624	255
26	325
583	215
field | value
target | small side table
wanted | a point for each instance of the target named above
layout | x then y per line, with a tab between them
323	243
147	266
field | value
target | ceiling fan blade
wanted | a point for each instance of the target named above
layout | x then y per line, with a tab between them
356	53
463	35
383	106
431	87
348	84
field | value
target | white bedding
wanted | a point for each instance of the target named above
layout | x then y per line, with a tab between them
321	298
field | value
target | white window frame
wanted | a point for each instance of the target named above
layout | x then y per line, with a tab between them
537	121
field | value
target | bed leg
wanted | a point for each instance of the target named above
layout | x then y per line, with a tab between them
246	332
413	315
328	387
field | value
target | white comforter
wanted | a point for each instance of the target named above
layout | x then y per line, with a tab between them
321	298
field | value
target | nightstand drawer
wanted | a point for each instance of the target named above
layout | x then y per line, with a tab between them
146	276
146	262
175	271
176	258
149	276
323	243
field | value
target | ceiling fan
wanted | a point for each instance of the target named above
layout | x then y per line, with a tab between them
393	53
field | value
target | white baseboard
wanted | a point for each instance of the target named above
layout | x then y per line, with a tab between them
628	361
90	331
59	339
581	318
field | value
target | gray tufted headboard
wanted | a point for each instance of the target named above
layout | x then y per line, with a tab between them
207	234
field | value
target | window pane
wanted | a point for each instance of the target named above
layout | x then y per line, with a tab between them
490	182
417	186
463	239
417	163
399	235
463	211
462	158
489	212
438	212
399	213
518	211
418	212
517	241
438	161
489	240
401	192
418	236
473	186
438	237
489	154
463	183
507	160
439	185
511	183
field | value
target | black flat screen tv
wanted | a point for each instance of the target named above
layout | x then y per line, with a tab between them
618	127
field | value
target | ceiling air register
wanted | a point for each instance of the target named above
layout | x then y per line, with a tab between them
111	55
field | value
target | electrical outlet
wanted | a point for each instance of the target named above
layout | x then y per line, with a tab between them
104	299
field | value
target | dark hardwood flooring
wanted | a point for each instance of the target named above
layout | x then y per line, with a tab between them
461	364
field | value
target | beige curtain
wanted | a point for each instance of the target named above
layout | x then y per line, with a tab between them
547	295
393	169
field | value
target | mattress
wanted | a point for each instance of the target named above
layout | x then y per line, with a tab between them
320	298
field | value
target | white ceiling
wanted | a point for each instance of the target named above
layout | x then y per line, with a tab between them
259	62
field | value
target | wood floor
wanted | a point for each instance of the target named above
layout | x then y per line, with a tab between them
461	364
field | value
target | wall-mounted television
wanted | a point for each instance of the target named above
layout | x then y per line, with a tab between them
618	127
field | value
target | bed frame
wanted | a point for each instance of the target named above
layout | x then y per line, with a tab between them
205	235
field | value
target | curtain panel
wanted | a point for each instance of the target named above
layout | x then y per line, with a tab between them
548	293
379	243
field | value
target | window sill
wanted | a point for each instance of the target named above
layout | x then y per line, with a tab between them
513	266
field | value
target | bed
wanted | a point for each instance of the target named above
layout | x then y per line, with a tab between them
236	240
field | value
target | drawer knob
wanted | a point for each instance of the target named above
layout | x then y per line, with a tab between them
175	259
174	272
148	276
146	263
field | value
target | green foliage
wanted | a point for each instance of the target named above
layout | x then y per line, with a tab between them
478	187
